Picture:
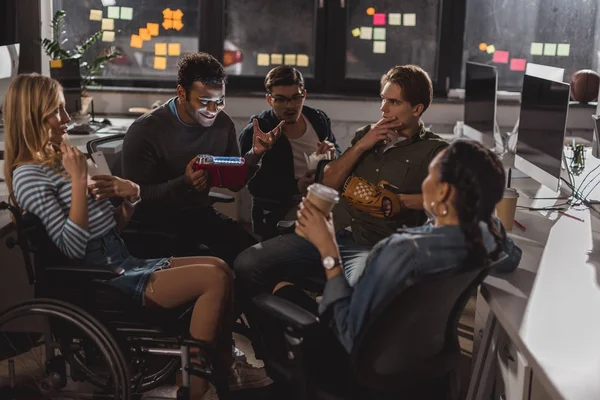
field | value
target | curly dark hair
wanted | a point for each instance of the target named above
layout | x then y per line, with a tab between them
201	67
479	178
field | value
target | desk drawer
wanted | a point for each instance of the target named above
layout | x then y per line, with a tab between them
513	374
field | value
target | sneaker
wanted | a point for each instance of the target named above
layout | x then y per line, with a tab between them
245	376
238	355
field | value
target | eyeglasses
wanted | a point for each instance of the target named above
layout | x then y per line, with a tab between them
281	100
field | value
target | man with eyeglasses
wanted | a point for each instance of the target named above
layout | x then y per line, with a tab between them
160	149
285	174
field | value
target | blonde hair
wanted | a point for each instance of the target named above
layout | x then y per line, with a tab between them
30	100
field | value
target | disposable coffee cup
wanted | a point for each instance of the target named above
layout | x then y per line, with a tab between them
322	197
506	208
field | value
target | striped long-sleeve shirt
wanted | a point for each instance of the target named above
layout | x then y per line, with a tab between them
47	194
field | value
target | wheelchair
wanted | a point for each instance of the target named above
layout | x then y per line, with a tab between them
80	338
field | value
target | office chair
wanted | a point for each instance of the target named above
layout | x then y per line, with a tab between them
141	241
407	348
106	340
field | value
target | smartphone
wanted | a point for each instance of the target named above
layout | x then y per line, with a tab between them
97	165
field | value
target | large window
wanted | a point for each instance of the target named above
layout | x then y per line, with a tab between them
511	33
151	35
261	34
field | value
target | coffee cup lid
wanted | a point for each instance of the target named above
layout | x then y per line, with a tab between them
511	193
324	192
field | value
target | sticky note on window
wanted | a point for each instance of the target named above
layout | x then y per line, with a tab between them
563	49
366	32
160	62
289	59
145	34
410	19
379	19
501	57
160	49
378	33
394	19
518	64
356	32
108	36
152	28
549	49
167	24
167	13
114	12
136	42
490	48
108	24
55	64
127	13
95	15
537	49
262	59
174	49
276	59
302	60
177	24
379	47
177	14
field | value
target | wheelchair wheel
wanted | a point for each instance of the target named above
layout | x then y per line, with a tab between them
40	338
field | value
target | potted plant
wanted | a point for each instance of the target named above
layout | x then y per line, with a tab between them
75	74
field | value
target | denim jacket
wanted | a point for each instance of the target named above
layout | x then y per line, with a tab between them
418	251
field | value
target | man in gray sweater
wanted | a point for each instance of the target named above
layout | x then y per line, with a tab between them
160	149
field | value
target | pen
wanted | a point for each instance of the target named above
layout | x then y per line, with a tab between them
570	216
520	225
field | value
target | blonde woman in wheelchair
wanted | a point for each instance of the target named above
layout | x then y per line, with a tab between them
49	178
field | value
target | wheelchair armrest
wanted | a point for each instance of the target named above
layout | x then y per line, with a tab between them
215	197
287	312
86	272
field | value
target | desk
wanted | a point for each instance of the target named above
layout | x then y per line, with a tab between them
549	307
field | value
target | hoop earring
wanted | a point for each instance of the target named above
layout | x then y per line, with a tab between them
435	211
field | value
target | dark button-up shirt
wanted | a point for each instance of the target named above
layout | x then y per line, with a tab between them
413	252
404	165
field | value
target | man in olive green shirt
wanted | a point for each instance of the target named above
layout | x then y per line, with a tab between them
395	151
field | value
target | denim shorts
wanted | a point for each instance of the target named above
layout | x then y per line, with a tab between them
110	249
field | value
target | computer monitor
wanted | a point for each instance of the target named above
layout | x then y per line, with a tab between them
542	124
481	87
9	68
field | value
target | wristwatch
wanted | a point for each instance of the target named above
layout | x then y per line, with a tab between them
330	262
130	204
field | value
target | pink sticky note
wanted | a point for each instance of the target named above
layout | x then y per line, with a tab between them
518	64
379	19
500	57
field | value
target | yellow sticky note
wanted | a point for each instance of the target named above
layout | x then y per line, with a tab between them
108	24
537	49
262	59
410	19
145	34
56	64
160	49
563	49
174	49
289	59
356	32
127	13
276	59
152	28
490	49
160	62
95	15
378	33
108	36
167	13
177	15
302	60
167	24
379	47
136	42
177	24
549	49
114	12
394	19
366	32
